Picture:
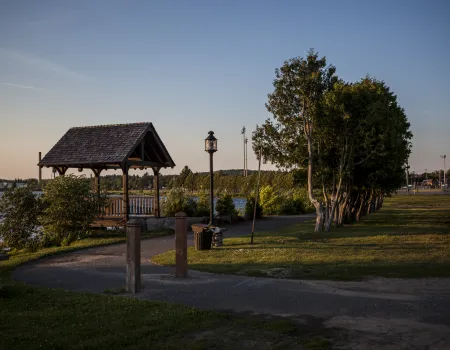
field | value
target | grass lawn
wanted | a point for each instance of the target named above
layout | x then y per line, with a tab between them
409	237
37	317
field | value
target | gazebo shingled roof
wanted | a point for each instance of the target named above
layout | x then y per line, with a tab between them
109	147
118	146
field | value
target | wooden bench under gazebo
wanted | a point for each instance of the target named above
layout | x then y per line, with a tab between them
104	147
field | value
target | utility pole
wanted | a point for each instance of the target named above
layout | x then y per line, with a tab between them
407	176
445	179
246	156
256	194
40	172
243	133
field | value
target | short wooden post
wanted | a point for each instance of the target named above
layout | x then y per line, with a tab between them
133	277
181	267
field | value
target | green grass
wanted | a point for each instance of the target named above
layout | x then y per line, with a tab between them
57	319
409	237
37	317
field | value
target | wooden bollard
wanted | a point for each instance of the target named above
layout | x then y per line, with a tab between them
181	268
133	277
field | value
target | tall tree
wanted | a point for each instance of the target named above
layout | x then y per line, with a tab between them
351	140
290	140
185	172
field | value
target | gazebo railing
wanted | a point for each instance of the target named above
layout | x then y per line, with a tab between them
139	205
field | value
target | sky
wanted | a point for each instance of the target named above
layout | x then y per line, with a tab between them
193	66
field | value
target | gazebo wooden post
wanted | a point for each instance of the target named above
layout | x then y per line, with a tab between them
156	185
97	186
125	198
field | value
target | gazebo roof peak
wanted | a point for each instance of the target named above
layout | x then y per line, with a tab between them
110	146
110	125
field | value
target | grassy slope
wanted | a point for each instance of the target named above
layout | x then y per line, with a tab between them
32	317
409	237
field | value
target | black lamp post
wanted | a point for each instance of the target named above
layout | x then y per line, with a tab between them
211	147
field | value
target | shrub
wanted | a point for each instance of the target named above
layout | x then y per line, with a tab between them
291	202
225	204
271	201
190	206
301	194
250	208
21	209
203	205
177	201
72	207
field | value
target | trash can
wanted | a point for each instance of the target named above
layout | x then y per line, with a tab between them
202	236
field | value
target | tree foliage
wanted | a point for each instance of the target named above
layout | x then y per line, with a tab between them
71	208
349	140
250	207
225	204
203	204
177	201
20	209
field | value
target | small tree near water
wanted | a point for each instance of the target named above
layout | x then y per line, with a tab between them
21	209
225	204
176	201
71	208
203	204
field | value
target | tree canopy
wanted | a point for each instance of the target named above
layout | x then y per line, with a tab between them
351	141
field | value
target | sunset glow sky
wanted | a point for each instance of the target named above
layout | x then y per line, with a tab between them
194	66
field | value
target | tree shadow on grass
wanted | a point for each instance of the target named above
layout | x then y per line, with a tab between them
345	271
330	246
344	232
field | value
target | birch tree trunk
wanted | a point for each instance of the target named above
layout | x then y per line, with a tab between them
312	198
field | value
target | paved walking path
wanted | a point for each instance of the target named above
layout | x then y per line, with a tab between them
413	312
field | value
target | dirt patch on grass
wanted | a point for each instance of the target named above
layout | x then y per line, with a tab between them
381	333
420	287
272	332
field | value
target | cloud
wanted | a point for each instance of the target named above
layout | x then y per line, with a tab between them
36	62
29	87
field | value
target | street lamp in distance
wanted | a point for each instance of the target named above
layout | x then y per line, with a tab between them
211	148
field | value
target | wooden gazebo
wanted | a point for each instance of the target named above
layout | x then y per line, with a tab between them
119	146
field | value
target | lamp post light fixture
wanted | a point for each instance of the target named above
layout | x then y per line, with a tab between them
211	148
